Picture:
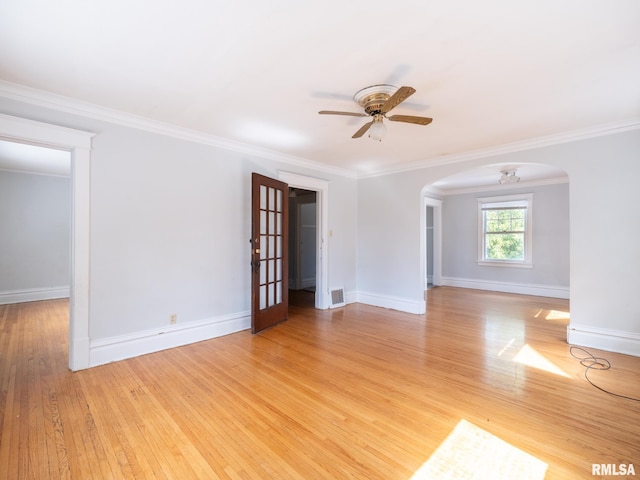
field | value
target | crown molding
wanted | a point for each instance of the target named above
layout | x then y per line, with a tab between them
45	99
529	144
54	101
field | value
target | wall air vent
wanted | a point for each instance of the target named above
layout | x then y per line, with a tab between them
337	298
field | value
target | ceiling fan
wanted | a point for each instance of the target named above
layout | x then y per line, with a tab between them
377	101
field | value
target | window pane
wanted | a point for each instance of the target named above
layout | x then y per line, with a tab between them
272	200
505	224
263	272
504	246
263	246
510	220
518	224
272	223
271	270
263	222
271	295
263	297
263	197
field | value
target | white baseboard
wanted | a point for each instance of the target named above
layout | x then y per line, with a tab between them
78	354
33	295
521	288
604	339
140	343
350	297
394	303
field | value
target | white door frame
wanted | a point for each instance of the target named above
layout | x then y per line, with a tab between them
321	187
77	142
437	240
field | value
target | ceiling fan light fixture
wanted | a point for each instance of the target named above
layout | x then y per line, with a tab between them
377	129
508	176
377	101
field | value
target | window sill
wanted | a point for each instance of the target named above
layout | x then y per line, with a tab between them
504	263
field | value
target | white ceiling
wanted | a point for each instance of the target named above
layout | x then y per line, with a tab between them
493	73
19	157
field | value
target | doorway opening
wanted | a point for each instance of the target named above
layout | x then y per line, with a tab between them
303	248
35	212
431	243
321	189
429	232
78	143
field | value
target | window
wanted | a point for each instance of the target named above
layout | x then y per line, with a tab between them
505	230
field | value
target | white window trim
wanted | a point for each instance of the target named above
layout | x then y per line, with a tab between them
528	238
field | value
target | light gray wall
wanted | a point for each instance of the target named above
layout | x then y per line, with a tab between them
170	226
604	268
35	216
550	238
171	229
389	222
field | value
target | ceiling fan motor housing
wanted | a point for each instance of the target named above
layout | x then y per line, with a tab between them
374	97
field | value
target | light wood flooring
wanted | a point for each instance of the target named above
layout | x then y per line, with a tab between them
353	393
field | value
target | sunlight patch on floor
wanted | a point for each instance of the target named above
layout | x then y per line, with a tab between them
508	345
470	452
552	315
530	357
558	315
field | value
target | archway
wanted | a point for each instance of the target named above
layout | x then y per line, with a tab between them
475	182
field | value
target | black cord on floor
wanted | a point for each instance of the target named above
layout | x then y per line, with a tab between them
591	362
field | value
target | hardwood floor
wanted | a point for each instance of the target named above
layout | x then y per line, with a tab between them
357	392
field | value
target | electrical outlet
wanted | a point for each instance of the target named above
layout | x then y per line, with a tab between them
172	319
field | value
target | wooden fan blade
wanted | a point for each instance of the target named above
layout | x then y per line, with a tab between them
362	130
397	98
351	114
410	119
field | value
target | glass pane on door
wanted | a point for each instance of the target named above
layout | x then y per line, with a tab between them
271	231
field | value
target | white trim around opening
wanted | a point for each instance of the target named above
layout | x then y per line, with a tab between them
321	187
77	142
